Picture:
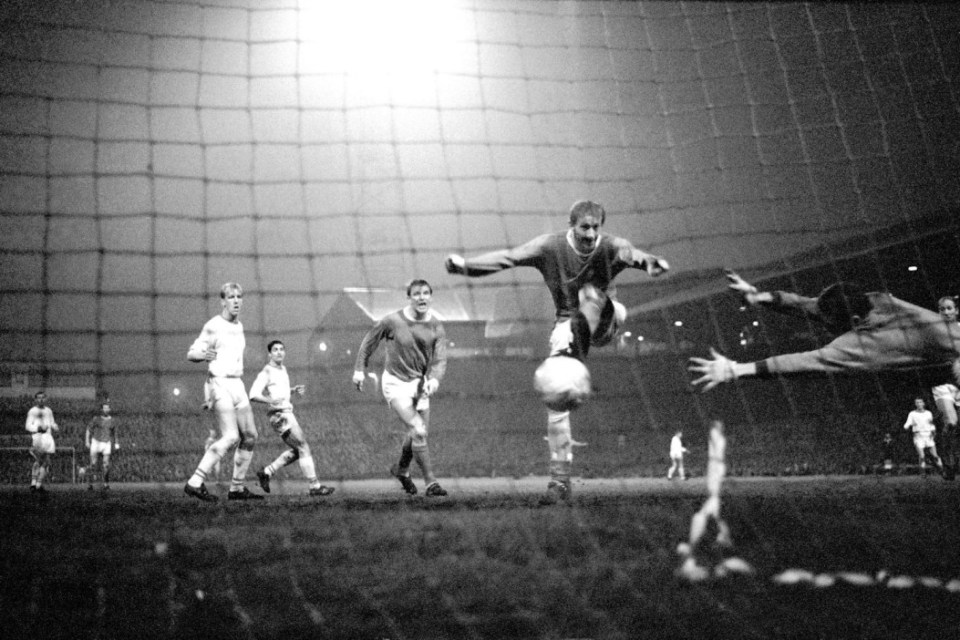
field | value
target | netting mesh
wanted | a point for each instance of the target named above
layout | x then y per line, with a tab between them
322	154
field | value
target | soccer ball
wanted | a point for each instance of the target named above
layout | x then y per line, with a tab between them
562	382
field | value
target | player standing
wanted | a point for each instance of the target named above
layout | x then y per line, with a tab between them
578	266
41	425
272	388
416	359
101	440
221	344
676	457
920	422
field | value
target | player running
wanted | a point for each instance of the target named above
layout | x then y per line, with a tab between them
416	359
272	388
920	422
101	440
220	345
41	425
578	266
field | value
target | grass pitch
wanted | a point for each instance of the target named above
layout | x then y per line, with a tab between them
488	561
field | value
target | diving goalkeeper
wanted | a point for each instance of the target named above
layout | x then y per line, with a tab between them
874	331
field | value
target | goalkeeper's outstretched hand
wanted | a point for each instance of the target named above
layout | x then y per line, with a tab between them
715	370
741	286
454	264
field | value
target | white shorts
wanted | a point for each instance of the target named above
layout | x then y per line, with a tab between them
612	318
226	393
98	447
43	443
393	388
282	421
923	440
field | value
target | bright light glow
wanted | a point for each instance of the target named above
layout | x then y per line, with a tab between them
756	323
639	338
678	323
322	346
176	391
380	36
627	334
913	267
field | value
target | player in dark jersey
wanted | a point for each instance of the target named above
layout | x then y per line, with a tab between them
416	359
578	266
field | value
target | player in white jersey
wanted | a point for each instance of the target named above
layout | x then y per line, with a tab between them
272	388
101	440
40	425
920	421
221	344
676	457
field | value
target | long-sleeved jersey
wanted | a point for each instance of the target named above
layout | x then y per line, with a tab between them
563	268
895	335
414	349
228	340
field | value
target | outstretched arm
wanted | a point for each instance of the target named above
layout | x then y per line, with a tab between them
526	255
718	369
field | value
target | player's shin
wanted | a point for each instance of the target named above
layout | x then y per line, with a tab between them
241	464
406	455
560	443
285	458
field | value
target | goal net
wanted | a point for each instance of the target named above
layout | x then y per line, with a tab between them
322	154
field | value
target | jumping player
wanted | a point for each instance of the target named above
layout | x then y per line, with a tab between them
220	345
40	425
101	439
874	331
920	422
578	266
416	359
272	388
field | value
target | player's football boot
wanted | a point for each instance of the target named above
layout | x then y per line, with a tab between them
264	481
243	494
557	490
322	490
200	493
405	480
435	490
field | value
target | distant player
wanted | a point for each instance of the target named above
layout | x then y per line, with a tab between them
416	359
578	266
40	425
920	422
221	344
874	331
101	439
677	450
272	388
716	472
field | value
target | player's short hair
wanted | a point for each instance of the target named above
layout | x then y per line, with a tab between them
840	304
953	299
418	282
230	286
273	342
583	208
39	393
